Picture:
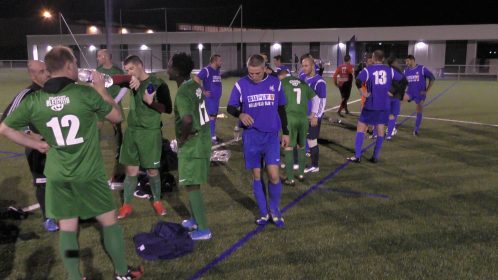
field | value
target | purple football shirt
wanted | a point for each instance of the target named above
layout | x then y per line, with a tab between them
378	78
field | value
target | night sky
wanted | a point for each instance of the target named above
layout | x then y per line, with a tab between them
25	15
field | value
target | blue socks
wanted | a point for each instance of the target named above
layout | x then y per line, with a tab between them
358	143
260	197
418	121
275	191
390	126
378	146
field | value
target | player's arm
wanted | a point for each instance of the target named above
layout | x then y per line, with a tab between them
234	106
185	111
199	78
163	102
334	78
98	84
428	74
23	139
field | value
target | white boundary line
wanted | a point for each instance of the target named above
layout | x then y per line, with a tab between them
446	120
455	121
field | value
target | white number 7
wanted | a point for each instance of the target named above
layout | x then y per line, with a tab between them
298	95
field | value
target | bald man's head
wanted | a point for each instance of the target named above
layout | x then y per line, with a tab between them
38	72
104	58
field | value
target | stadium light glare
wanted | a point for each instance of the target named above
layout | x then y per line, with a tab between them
200	46
92	48
144	47
342	45
124	31
93	29
46	14
380	43
49	47
276	46
149	31
420	45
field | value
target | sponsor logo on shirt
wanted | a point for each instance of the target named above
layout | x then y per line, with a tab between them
295	82
272	88
57	103
258	100
216	79
413	78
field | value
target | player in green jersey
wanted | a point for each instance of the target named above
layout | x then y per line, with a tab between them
194	141
142	143
298	94
104	59
65	114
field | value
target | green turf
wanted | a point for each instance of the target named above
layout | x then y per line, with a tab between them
438	222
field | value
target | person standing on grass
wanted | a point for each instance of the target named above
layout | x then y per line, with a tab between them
317	83
194	147
104	60
209	79
297	94
39	75
66	115
258	101
417	74
142	145
378	78
343	80
397	91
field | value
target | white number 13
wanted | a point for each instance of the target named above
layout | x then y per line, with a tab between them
380	77
74	125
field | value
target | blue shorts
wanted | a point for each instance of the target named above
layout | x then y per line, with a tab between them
212	105
395	106
259	145
418	98
374	117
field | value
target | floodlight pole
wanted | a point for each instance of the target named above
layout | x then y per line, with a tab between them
241	41
108	23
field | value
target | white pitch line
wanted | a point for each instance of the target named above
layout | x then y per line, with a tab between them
450	120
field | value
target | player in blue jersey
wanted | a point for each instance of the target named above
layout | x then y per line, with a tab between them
209	78
417	75
317	83
258	101
277	61
378	78
397	91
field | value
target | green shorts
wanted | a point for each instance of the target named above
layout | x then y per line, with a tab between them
84	199
193	171
298	129
141	148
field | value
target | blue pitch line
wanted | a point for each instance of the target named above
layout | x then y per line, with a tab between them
373	195
10	155
322	181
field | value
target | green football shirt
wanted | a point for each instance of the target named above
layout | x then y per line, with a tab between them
140	115
297	94
190	101
66	120
114	89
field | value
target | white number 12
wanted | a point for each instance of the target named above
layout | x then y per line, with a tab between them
74	125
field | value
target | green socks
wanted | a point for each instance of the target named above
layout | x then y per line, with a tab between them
155	187
114	245
289	164
69	250
130	184
301	158
197	206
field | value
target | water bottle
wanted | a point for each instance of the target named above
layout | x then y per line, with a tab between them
150	89
236	133
85	75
